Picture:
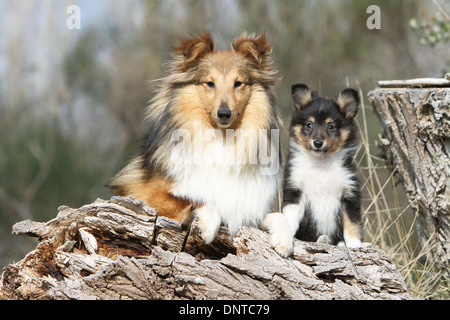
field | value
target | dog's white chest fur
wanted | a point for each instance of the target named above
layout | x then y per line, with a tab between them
322	182
241	194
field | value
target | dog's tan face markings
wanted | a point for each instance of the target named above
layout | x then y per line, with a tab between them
300	137
332	138
336	143
324	125
224	91
225	78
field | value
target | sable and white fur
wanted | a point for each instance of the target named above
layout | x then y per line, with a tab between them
321	194
187	165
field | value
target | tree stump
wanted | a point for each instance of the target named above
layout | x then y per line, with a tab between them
120	249
415	119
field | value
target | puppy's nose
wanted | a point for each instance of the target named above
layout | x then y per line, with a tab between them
224	114
318	144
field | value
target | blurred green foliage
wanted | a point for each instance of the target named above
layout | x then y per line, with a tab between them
434	31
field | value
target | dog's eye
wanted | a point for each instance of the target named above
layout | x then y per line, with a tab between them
210	84
237	84
330	126
309	125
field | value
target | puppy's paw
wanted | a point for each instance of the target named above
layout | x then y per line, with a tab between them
324	239
353	243
208	222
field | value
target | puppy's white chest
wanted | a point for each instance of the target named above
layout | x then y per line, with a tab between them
322	182
319	178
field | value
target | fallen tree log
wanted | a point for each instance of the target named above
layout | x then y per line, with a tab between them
415	119
120	249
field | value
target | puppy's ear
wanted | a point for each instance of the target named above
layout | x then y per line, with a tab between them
348	102
302	95
191	50
257	49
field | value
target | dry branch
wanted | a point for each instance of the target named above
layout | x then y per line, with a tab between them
416	83
120	249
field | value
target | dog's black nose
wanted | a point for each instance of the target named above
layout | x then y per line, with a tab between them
318	144
224	114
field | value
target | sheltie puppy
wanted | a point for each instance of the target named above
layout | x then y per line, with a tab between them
321	190
212	145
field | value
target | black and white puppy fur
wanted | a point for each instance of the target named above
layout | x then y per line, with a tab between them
321	189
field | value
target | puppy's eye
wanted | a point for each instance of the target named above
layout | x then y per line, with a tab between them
210	84
309	125
237	84
330	126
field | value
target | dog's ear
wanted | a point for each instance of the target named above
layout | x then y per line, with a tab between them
302	95
348	102
257	49
191	50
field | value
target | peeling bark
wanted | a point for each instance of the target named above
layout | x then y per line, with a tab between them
416	143
120	249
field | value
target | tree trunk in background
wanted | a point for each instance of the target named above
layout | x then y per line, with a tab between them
415	119
120	249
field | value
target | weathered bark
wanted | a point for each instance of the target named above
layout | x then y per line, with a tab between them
416	83
120	249
416	142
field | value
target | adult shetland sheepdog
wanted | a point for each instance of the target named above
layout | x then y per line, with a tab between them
212	146
321	194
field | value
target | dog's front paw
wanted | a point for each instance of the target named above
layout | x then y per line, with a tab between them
324	239
353	243
284	250
208	222
350	243
281	239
